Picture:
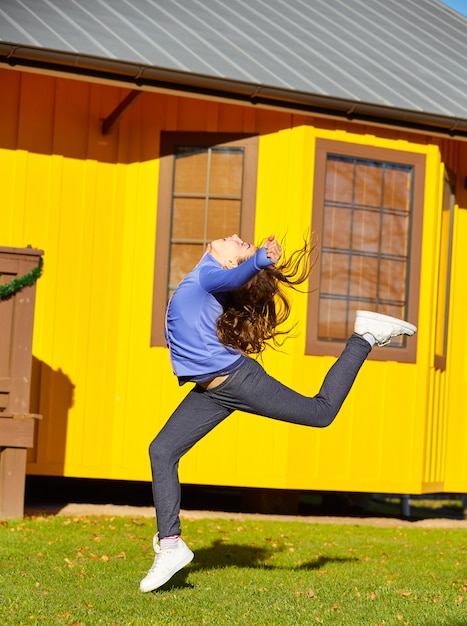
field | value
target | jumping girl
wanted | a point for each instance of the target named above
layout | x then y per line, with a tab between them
228	307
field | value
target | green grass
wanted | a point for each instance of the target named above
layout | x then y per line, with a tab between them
86	571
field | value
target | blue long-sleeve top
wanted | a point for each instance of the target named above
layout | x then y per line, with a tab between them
191	319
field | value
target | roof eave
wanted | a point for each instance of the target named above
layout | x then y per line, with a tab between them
152	78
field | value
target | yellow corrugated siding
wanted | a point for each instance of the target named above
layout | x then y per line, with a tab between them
456	398
379	438
431	439
90	202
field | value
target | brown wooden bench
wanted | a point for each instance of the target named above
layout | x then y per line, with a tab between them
16	436
17	424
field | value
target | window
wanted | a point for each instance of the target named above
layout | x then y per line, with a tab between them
444	270
207	190
367	215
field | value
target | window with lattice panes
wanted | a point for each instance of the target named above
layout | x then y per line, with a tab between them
367	215
207	190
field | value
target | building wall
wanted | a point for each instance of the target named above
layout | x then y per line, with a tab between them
454	399
90	202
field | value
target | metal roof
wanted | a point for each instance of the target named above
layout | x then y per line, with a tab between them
408	56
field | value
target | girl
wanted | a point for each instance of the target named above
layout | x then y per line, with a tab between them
228	307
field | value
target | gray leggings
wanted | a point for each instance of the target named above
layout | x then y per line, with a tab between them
252	390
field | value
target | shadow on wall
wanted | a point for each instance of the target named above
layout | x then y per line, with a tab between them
52	396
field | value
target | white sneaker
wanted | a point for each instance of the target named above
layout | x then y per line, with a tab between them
166	563
382	327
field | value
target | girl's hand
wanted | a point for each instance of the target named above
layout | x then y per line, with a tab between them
273	249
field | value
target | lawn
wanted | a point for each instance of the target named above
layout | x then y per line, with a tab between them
86	571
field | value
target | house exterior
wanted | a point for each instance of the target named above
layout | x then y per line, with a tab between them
132	135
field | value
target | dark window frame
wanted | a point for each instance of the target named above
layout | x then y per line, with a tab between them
169	141
319	347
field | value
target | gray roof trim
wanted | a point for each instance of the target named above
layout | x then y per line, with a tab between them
151	78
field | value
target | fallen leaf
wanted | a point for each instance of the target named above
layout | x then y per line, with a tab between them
122	555
310	593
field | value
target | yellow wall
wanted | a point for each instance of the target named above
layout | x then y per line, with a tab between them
455	395
90	202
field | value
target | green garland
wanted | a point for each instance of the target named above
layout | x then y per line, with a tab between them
8	290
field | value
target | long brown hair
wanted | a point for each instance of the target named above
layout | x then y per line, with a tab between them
252	313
